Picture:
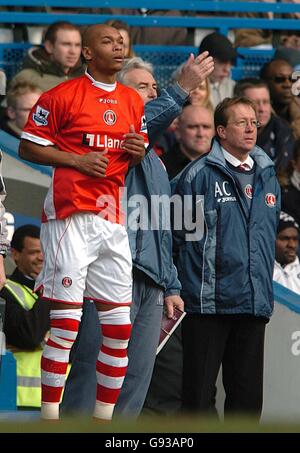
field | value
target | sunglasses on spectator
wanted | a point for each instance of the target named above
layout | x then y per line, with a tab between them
281	79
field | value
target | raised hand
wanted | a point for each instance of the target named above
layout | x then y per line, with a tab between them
195	71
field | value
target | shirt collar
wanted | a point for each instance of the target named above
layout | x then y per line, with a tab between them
104	86
288	267
236	162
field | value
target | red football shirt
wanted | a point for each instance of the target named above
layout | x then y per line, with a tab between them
78	116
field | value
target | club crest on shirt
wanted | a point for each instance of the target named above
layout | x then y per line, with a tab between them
66	282
270	200
109	117
40	116
248	191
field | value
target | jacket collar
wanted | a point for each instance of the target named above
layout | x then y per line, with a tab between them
19	277
38	59
216	156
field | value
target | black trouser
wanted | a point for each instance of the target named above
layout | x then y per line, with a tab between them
164	393
236	342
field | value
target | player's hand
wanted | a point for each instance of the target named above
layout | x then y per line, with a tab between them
134	145
171	302
93	163
195	71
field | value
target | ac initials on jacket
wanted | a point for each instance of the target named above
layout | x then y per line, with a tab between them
220	192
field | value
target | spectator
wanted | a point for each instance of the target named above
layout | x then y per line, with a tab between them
291	185
26	316
85	245
224	55
20	99
200	95
287	267
278	76
2	89
4	242
124	30
56	61
289	39
2	83
174	36
274	135
292	56
154	273
226	268
194	132
253	37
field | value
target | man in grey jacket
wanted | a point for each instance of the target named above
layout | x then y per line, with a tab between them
155	277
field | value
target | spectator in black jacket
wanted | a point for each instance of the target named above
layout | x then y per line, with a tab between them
290	201
25	327
274	136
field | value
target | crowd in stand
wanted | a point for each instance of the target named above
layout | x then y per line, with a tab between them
178	139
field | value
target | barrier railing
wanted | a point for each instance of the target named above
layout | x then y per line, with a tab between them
223	24
164	58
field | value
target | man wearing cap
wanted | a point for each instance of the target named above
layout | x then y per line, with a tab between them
224	55
287	266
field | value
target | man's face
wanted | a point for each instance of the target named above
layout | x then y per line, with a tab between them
261	97
105	55
24	104
66	48
30	260
221	71
279	79
195	130
287	245
143	82
239	135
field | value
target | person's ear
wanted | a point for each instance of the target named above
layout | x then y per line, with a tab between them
87	53
221	131
49	47
11	113
15	255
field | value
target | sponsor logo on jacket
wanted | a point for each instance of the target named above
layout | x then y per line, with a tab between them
222	193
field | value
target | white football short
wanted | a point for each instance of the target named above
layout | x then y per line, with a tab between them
85	257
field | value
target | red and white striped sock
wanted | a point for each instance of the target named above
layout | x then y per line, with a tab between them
112	360
64	328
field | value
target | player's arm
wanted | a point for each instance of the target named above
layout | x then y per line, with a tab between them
92	163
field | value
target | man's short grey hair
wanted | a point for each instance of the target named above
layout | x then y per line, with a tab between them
134	63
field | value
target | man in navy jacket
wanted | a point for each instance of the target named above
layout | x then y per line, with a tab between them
226	266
